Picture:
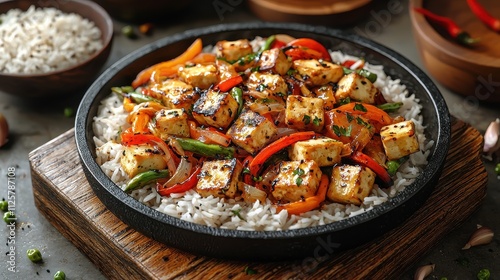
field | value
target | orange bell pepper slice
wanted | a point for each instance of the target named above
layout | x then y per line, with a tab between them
368	111
308	204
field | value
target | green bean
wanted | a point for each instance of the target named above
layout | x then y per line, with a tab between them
237	94
207	150
34	255
144	178
9	217
4	205
390	107
269	41
60	275
372	77
128	91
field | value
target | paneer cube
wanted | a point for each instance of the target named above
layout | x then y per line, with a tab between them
304	113
219	178
350	184
296	180
141	158
171	122
275	61
176	94
348	128
251	131
214	108
324	151
201	76
356	87
232	50
324	92
271	86
318	73
399	139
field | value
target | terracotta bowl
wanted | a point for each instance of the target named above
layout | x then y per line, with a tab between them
66	81
470	71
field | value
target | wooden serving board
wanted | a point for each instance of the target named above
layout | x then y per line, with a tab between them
65	198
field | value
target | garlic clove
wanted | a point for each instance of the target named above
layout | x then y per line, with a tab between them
482	235
423	271
492	137
4	130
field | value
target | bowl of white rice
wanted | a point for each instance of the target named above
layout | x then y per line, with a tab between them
50	48
202	226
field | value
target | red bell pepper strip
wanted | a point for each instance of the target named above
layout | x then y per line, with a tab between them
277	44
247	178
308	204
184	186
484	15
285	141
451	27
228	84
138	139
303	53
313	45
367	161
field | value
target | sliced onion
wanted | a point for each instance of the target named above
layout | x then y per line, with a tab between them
270	174
256	94
176	146
263	108
182	173
284	131
214	137
167	156
251	194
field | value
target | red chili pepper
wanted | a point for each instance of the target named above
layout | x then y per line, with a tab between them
484	15
228	84
451	27
185	186
277	44
285	141
367	161
311	44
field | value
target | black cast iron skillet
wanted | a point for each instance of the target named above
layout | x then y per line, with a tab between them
266	245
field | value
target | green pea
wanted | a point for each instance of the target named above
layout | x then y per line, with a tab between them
34	255
392	167
129	31
68	112
483	274
60	275
497	169
9	216
4	205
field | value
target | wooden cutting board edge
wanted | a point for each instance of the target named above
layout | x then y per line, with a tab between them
65	198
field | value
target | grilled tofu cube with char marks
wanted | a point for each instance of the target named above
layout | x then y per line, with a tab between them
232	50
201	76
275	61
304	113
356	87
219	178
324	151
317	72
399	139
217	109
324	92
171	122
251	131
296	180
141	158
176	94
350	184
272	86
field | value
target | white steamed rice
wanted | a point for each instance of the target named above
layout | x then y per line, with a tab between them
220	212
41	40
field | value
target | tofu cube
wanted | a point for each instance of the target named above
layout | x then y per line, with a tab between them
232	50
200	76
217	109
141	158
324	92
304	113
399	139
296	180
219	178
271	86
356	87
171	122
251	131
318	73
176	94
324	151
275	61
350	184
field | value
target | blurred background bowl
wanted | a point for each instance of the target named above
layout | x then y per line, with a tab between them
470	71
141	11
74	79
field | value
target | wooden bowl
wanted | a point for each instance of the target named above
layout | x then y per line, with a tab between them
66	81
470	71
335	13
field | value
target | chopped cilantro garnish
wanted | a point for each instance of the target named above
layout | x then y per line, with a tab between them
342	131
306	119
291	72
349	117
361	121
250	271
237	214
246	170
345	101
316	121
298	181
261	87
360	107
299	172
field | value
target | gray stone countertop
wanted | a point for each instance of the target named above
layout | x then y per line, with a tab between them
32	125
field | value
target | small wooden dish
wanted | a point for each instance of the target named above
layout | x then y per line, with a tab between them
469	71
335	13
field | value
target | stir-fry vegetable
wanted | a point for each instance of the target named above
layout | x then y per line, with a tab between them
145	178
34	255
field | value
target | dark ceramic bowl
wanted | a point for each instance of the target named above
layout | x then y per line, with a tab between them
65	81
270	245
